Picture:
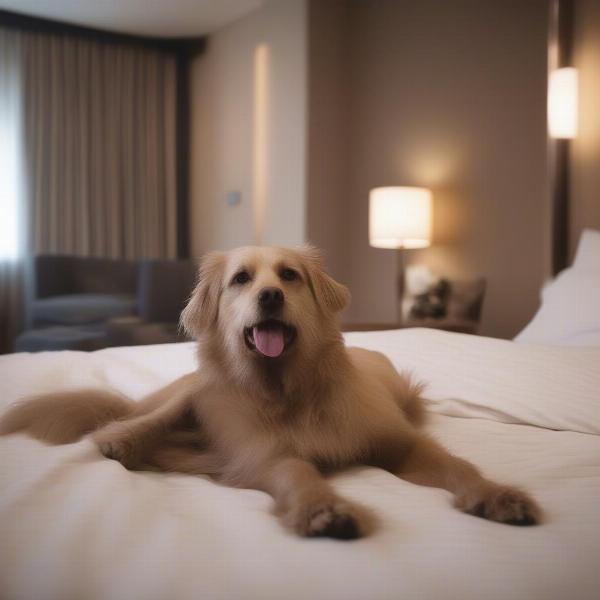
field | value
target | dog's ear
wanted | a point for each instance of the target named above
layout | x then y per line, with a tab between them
327	291
202	308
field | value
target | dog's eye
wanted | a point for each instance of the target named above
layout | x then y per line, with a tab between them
288	274
241	278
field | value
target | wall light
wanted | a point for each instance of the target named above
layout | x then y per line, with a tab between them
562	103
260	151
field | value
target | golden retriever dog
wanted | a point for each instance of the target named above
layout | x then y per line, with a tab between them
277	403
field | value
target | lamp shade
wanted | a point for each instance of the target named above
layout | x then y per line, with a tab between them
562	103
400	217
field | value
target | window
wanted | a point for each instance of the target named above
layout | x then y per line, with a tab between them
10	146
9	188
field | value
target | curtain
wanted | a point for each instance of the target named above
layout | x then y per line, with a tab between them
13	217
87	155
100	142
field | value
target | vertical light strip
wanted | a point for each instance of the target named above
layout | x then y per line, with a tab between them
562	103
260	140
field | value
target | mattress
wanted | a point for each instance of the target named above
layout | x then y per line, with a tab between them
74	525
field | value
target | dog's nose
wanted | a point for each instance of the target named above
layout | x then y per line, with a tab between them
270	298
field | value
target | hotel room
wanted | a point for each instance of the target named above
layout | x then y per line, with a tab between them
210	210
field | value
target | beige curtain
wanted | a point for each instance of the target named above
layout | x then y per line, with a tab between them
100	146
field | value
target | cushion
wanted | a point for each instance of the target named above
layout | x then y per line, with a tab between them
78	309
466	299
61	338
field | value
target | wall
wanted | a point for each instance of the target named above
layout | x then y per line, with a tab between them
327	131
451	96
223	136
585	163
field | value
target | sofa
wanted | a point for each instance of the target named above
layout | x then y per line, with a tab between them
88	303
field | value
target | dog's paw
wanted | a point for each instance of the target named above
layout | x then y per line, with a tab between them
118	443
504	504
330	517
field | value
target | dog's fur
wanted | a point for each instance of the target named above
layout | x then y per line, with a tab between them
276	424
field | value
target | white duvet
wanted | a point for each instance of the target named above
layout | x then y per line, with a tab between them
74	525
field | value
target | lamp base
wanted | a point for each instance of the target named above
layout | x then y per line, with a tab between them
400	284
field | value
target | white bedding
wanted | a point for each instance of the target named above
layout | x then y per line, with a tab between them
74	525
569	314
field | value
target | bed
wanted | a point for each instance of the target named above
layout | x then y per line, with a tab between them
74	525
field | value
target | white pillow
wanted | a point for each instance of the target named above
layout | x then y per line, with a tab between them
588	251
570	310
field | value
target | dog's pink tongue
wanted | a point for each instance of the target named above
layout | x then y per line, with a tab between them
269	341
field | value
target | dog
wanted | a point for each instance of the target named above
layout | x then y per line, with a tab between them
277	403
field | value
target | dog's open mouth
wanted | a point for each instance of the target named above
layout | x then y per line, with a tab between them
270	338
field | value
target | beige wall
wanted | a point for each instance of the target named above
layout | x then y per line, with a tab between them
328	131
223	130
585	163
450	95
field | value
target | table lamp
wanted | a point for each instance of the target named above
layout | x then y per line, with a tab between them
399	218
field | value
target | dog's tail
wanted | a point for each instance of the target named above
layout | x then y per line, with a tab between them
411	401
64	417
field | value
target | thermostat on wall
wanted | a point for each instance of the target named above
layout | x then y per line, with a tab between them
234	198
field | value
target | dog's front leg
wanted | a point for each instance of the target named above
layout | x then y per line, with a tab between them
307	503
129	441
426	462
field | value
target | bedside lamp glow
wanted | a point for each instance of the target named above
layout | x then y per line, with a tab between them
562	103
400	217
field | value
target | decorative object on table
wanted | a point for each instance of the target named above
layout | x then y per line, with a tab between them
432	303
400	218
441	302
425	295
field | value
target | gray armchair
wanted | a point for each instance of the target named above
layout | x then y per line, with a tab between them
86	303
74	290
163	289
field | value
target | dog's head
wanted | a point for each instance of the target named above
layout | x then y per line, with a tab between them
265	303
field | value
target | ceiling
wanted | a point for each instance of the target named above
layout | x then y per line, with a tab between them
156	18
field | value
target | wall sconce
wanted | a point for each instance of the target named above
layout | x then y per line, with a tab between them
400	217
562	103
